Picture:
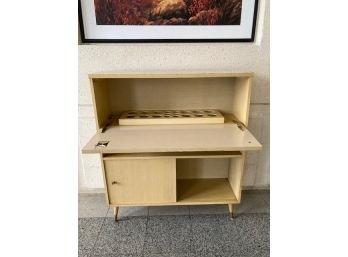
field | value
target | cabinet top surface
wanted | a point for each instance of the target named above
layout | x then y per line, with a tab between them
171	74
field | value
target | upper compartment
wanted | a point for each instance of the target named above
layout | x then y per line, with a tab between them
114	93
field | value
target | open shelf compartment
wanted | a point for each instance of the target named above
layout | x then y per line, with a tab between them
205	191
229	93
114	94
209	181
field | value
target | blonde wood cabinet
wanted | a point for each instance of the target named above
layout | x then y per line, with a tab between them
185	164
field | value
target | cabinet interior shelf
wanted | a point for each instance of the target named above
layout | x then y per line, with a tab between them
205	191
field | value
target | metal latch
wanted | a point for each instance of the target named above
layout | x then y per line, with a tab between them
102	144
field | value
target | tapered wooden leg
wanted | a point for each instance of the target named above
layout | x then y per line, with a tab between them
230	209
116	213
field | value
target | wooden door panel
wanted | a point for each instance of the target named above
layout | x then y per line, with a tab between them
132	181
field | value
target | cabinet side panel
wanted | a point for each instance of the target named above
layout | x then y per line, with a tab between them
235	175
101	103
104	180
241	99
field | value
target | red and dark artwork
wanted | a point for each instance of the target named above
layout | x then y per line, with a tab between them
168	12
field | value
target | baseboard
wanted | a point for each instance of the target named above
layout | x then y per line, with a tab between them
256	187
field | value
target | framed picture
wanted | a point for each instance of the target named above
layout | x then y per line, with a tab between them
113	21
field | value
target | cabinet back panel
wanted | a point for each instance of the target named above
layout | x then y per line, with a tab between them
202	168
169	93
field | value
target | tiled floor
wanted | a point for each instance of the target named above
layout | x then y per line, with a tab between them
184	231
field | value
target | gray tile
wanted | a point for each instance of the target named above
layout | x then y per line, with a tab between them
210	234
229	236
92	205
121	238
84	252
169	210
217	235
168	234
209	209
176	236
129	212
254	235
250	252
88	231
192	254
252	202
171	255
114	255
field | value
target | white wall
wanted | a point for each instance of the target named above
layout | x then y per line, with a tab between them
252	57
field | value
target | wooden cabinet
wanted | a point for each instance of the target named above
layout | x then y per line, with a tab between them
172	164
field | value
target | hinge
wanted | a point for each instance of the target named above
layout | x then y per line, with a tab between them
240	125
108	123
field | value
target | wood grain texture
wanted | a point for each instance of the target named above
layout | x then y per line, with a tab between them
205	191
141	181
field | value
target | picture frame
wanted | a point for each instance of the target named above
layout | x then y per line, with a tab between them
140	21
